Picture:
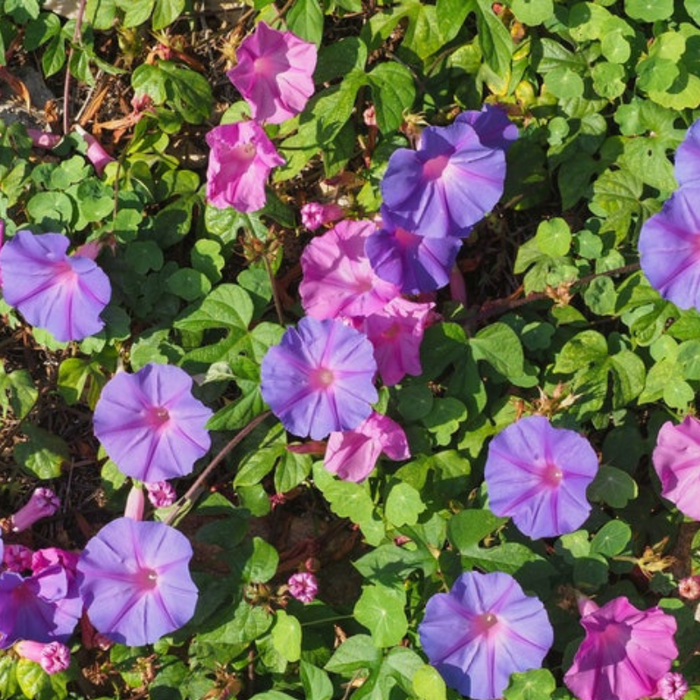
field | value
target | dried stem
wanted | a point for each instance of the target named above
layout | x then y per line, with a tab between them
66	82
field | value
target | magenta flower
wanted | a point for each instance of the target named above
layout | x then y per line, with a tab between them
135	581
150	424
676	460
538	475
43	503
303	587
52	657
669	249
61	293
482	631
625	651
492	126
17	558
352	454
239	163
687	166
445	187
314	215
161	494
396	332
672	686
413	263
338	278
319	379
274	73
96	154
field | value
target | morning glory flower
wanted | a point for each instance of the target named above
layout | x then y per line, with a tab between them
625	652
135	582
240	161
687	165
538	475
274	73
150	424
492	126
319	378
669	249
53	657
482	631
338	278
445	187
43	503
63	294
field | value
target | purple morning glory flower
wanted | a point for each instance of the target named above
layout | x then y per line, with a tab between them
64	294
482	631
492	125
687	166
445	187
319	379
669	249
538	475
414	263
135	581
150	424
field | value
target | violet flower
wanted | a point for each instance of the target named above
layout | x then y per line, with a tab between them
445	187
338	278
239	164
150	424
43	503
352	454
676	458
52	657
319	378
135	581
492	126
625	652
303	587
161	494
687	165
482	631
538	475
61	293
274	73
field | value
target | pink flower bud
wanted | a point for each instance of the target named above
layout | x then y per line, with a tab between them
458	289
17	558
95	153
672	686
42	504
161	494
134	504
370	116
52	657
43	139
303	586
89	250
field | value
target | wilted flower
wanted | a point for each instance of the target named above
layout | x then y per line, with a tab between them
538	475
672	686
135	581
314	214
482	631
239	163
65	294
396	333
625	651
150	424
669	249
689	587
445	187
17	558
319	378
676	459
96	154
352	454
338	278
42	504
52	657
161	494
274	73
303	586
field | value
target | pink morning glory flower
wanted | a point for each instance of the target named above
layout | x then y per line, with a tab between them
52	657
669	249
445	187
538	475
396	332
676	459
352	454
482	631
41	504
240	161
96	154
274	73
135	582
319	379
338	278
303	586
64	294
150	424
625	651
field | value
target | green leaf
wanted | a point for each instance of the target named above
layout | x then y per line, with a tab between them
468	527
403	505
317	684
262	563
612	539
51	210
612	486
532	12
286	636
381	610
692	7
189	92
228	306
553	237
600	296
188	284
445	418
649	10
629	376
536	684
136	11
74	374
495	40
564	83
17	392
354	654
393	91
450	17
500	346
166	12
22	11
40	30
585	348
305	19
43	454
36	684
428	684
339	58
